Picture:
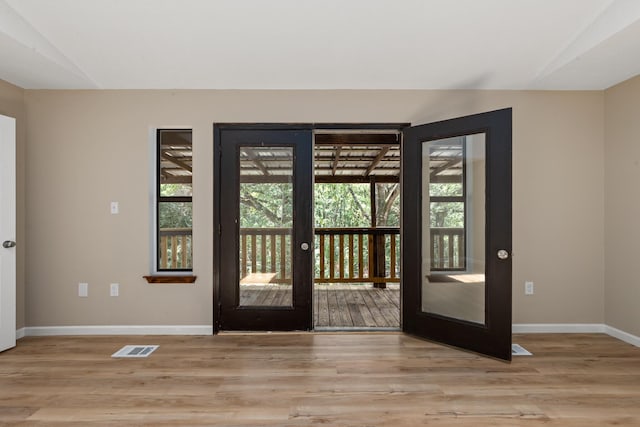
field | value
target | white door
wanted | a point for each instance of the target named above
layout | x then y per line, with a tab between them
7	232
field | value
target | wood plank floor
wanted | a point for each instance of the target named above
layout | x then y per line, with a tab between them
356	306
304	379
336	305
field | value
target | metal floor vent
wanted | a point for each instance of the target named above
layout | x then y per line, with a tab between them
135	351
518	350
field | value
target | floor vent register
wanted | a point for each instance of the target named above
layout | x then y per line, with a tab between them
518	350
135	351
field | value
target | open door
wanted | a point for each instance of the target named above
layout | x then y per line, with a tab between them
265	187
7	232
456	221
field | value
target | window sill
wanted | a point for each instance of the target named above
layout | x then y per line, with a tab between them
171	279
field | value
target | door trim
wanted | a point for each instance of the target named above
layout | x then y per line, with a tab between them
217	132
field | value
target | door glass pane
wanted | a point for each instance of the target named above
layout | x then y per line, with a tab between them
453	211
266	226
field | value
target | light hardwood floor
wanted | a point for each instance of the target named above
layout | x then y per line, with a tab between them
301	379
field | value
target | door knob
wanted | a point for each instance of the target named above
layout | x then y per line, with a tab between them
304	246
502	254
8	244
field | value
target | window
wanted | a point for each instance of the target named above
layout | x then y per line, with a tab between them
174	208
448	197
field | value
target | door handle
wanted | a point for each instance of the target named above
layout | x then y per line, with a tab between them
502	254
8	244
304	246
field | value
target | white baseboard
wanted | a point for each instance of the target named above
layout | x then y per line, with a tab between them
575	328
40	331
623	336
518	328
559	328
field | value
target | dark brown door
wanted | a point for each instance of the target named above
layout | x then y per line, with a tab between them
266	235
456	243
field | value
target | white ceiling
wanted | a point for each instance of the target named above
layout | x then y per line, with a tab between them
327	44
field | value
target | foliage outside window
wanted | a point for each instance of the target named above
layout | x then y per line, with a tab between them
266	205
388	205
335	205
349	205
174	210
342	205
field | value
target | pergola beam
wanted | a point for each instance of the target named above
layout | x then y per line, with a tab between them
356	138
166	156
444	167
336	160
377	160
256	161
183	179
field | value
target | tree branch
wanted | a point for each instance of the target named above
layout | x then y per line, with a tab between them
355	199
256	204
388	203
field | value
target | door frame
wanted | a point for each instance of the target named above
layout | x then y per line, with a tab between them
218	128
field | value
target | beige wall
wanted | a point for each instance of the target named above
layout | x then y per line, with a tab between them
622	206
12	105
87	148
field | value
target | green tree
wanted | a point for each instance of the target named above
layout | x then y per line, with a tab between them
342	205
175	214
266	205
388	205
447	214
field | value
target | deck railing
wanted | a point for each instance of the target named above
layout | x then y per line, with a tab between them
266	252
447	249
343	255
356	255
175	248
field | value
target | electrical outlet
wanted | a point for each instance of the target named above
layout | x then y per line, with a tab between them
83	290
115	289
528	288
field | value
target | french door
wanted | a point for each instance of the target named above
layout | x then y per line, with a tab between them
456	232
265	187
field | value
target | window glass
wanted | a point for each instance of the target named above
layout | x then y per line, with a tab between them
174	200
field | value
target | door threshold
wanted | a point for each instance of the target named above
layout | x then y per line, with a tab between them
261	332
316	329
355	329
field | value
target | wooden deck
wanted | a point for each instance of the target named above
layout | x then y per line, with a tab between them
356	306
336	305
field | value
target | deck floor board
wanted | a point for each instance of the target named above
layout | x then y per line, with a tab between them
336	305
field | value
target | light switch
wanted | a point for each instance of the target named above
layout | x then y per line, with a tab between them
528	288
115	289
115	209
